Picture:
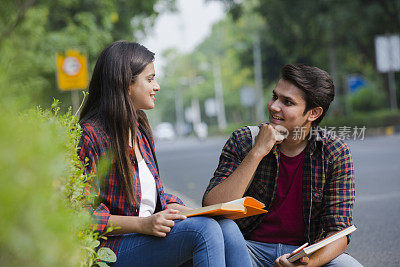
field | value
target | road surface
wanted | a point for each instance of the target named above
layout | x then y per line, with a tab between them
187	165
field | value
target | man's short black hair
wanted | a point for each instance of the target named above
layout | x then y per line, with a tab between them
316	84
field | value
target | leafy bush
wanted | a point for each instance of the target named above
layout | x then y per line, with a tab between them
372	119
41	194
367	99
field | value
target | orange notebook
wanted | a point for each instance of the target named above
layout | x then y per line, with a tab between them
239	208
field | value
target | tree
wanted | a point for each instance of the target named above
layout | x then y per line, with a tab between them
34	30
334	34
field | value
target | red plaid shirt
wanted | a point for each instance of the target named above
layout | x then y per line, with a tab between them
328	181
94	144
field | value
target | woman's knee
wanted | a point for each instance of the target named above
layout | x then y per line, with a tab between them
203	227
231	233
229	228
206	225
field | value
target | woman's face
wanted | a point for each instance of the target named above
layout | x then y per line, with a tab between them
143	90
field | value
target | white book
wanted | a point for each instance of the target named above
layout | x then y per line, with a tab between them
305	251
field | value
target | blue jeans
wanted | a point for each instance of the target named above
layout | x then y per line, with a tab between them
207	241
265	254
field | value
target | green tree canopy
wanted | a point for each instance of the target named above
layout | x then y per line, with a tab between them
33	31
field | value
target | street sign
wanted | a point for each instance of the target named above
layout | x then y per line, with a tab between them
72	70
387	48
355	82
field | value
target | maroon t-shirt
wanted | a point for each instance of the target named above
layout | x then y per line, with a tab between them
284	221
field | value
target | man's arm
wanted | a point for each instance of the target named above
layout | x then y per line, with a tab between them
320	257
235	185
329	252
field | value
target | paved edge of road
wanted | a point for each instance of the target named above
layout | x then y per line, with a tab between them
191	203
388	130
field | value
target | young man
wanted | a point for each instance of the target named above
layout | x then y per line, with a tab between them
306	181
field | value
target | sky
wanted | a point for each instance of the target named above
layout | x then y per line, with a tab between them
184	29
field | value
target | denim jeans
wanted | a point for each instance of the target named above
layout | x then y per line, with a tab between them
265	254
207	241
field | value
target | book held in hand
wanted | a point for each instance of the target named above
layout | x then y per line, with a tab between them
239	208
305	251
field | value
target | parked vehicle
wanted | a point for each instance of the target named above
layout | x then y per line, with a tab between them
164	131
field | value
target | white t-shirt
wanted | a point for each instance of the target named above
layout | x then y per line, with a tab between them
148	188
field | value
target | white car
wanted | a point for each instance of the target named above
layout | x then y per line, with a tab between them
164	131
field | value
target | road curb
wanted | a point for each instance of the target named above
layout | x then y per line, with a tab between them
189	202
380	131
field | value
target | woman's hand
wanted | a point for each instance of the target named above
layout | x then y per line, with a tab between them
176	206
282	261
160	223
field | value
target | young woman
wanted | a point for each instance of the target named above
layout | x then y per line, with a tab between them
151	231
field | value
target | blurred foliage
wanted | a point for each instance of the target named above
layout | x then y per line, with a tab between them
36	226
33	31
372	119
44	222
367	99
335	35
195	74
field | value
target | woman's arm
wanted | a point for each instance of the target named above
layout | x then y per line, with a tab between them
158	224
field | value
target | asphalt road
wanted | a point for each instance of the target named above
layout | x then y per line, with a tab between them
186	167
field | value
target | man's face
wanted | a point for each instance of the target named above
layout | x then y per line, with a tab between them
286	107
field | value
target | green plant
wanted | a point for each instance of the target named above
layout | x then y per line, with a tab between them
367	99
73	187
42	197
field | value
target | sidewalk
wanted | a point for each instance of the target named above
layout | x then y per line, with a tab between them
186	200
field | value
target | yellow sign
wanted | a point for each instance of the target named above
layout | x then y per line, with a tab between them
72	70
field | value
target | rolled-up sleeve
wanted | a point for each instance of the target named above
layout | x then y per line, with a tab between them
172	199
339	193
87	154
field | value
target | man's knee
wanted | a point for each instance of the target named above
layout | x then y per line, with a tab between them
344	260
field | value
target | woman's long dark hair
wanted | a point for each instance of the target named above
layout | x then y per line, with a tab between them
110	104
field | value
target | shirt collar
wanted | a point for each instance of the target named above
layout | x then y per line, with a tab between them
316	139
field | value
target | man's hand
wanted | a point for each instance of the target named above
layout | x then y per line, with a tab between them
281	133
282	261
160	223
266	139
